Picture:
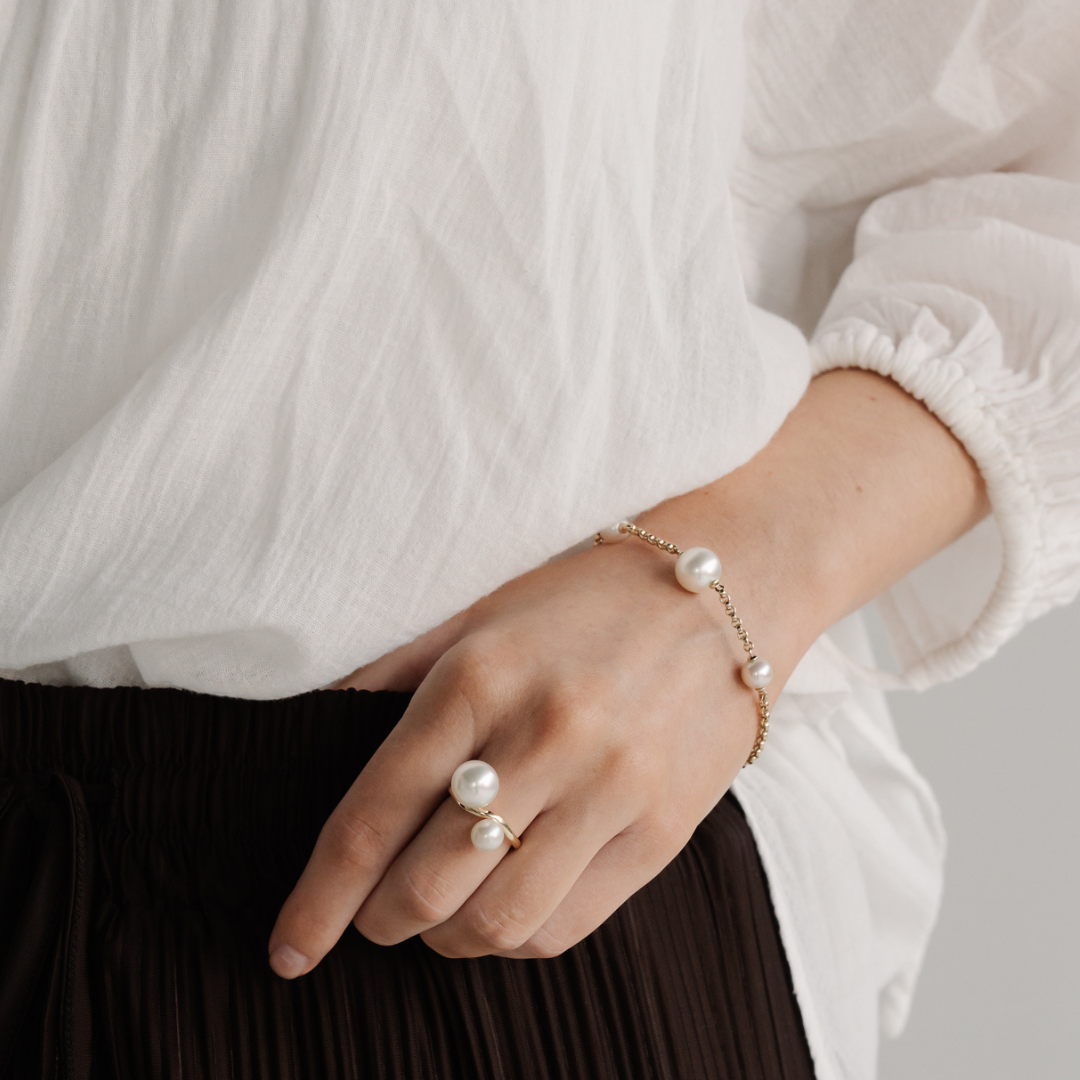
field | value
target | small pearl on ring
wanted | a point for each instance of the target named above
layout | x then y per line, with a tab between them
612	535
475	784
696	568
757	674
487	835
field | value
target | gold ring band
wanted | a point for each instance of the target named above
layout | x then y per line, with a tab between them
480	812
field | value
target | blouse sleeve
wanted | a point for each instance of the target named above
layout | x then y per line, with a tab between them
966	292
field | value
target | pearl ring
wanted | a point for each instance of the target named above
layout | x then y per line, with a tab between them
473	785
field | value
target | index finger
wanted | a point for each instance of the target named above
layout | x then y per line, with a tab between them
388	803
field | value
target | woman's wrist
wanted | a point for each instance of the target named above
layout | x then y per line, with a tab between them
860	485
762	572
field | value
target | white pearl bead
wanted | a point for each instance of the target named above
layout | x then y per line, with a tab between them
757	674
487	835
696	568
611	534
474	783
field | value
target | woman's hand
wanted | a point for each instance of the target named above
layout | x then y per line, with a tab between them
609	700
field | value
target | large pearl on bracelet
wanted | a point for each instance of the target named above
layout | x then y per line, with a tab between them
611	534
475	784
697	568
487	835
757	674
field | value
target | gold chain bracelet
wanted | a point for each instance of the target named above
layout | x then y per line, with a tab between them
696	570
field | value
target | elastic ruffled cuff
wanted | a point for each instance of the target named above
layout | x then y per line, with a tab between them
912	609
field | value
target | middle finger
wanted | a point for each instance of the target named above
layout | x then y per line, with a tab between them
440	867
520	895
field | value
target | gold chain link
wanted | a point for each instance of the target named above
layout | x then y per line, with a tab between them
650	538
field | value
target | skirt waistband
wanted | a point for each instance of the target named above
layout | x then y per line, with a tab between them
84	729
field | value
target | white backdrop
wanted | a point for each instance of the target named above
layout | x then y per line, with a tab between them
999	998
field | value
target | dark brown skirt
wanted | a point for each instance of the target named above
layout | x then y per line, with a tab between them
149	837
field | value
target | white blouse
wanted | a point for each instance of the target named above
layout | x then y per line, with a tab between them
319	322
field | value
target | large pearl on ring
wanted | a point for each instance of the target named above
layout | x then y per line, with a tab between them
757	674
697	568
487	835
475	784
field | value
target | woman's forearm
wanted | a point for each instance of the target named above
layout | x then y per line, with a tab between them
859	486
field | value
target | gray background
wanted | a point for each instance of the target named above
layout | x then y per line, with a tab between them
999	997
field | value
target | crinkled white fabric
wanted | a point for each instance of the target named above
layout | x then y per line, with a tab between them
321	321
317	323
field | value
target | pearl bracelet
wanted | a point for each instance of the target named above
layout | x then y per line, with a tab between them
696	570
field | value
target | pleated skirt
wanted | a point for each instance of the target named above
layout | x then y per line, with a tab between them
149	837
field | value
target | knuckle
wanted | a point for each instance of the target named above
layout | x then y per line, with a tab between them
417	897
451	948
497	929
375	929
631	765
475	676
476	662
354	843
544	945
656	840
567	716
425	896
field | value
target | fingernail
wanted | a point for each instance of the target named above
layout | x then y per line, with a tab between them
287	962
